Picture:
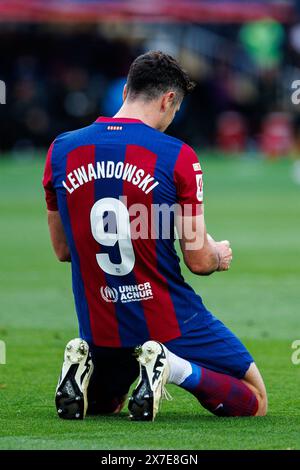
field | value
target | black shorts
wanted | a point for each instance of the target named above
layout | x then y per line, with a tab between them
115	370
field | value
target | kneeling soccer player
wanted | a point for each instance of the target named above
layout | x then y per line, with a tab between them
103	185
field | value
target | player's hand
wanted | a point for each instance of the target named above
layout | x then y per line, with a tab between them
225	255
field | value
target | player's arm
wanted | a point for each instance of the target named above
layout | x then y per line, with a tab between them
57	233
58	236
201	253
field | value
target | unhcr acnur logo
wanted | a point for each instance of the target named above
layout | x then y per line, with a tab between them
109	294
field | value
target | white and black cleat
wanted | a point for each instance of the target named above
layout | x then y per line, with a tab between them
154	371
71	392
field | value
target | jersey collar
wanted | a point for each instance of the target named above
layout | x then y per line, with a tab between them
121	120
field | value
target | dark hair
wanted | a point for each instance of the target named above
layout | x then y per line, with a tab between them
154	73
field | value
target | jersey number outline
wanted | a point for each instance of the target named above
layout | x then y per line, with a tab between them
122	235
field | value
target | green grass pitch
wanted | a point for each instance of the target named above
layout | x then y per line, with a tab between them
254	204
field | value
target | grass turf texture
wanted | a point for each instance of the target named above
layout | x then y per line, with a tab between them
252	203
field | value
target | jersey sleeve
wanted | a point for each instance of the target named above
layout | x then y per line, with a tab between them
188	181
50	193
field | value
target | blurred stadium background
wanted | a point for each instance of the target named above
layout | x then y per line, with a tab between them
64	63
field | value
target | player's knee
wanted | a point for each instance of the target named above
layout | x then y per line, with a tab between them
254	381
262	399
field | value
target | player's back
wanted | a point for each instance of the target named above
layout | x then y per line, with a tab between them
115	182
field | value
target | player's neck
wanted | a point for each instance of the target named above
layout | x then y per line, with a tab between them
142	112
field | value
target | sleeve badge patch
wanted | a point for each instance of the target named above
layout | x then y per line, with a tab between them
199	182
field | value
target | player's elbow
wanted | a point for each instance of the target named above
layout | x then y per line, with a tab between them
63	253
199	268
202	266
64	258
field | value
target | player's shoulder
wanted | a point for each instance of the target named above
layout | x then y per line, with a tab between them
72	136
186	150
171	145
178	143
67	142
166	138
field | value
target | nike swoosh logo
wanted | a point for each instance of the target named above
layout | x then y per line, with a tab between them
219	406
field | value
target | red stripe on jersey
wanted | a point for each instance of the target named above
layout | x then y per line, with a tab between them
121	120
103	318
50	194
159	312
188	181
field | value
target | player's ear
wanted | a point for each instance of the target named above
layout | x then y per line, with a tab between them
125	92
167	101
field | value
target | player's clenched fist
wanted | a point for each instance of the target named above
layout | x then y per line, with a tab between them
225	254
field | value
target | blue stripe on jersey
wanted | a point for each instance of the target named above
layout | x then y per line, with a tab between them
131	319
59	161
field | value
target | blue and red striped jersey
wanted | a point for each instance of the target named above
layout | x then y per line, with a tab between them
111	182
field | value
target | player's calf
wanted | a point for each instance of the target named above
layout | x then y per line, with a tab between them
71	392
221	394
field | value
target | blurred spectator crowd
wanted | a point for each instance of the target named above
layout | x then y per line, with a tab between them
60	78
